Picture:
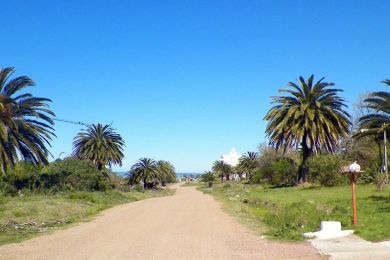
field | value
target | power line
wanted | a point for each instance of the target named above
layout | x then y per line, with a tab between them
76	122
71	122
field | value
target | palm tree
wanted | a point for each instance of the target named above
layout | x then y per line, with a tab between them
379	104
144	170
248	163
312	116
100	144
222	169
26	127
377	121
209	178
165	171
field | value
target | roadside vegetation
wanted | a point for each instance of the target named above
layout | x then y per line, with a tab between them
298	178
37	196
286	213
288	185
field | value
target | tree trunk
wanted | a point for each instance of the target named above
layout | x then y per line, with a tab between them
378	141
303	170
99	166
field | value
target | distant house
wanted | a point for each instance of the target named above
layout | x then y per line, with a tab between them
231	158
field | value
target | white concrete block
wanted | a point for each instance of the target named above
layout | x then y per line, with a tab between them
329	230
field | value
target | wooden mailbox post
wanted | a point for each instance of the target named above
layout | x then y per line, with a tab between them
352	169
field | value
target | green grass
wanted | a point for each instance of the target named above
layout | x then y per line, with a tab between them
286	213
58	211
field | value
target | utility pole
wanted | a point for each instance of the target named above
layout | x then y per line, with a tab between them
385	150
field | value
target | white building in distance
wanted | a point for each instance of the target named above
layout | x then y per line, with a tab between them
231	158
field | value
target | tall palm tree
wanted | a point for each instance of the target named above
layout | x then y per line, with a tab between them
248	163
144	170
379	104
165	171
311	116
100	144
222	168
378	119
26	127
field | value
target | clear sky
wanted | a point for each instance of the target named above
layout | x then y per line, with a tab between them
186	81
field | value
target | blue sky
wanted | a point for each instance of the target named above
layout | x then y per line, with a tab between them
185	81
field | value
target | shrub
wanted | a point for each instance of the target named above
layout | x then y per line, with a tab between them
324	170
61	175
370	173
73	174
380	181
23	175
277	171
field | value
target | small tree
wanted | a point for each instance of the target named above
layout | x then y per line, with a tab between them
165	171
248	163
144	170
208	178
223	169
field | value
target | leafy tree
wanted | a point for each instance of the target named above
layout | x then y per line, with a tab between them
248	163
144	170
165	171
26	127
222	168
99	144
311	116
208	178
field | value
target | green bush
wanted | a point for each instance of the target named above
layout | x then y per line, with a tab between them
278	171
73	174
325	170
22	176
373	175
61	175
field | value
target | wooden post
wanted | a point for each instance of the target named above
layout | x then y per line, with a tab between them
354	211
385	153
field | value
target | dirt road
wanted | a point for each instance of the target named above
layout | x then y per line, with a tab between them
187	225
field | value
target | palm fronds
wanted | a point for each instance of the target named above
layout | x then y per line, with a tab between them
100	144
26	126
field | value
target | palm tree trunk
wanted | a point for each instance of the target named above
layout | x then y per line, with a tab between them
303	170
378	141
100	166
